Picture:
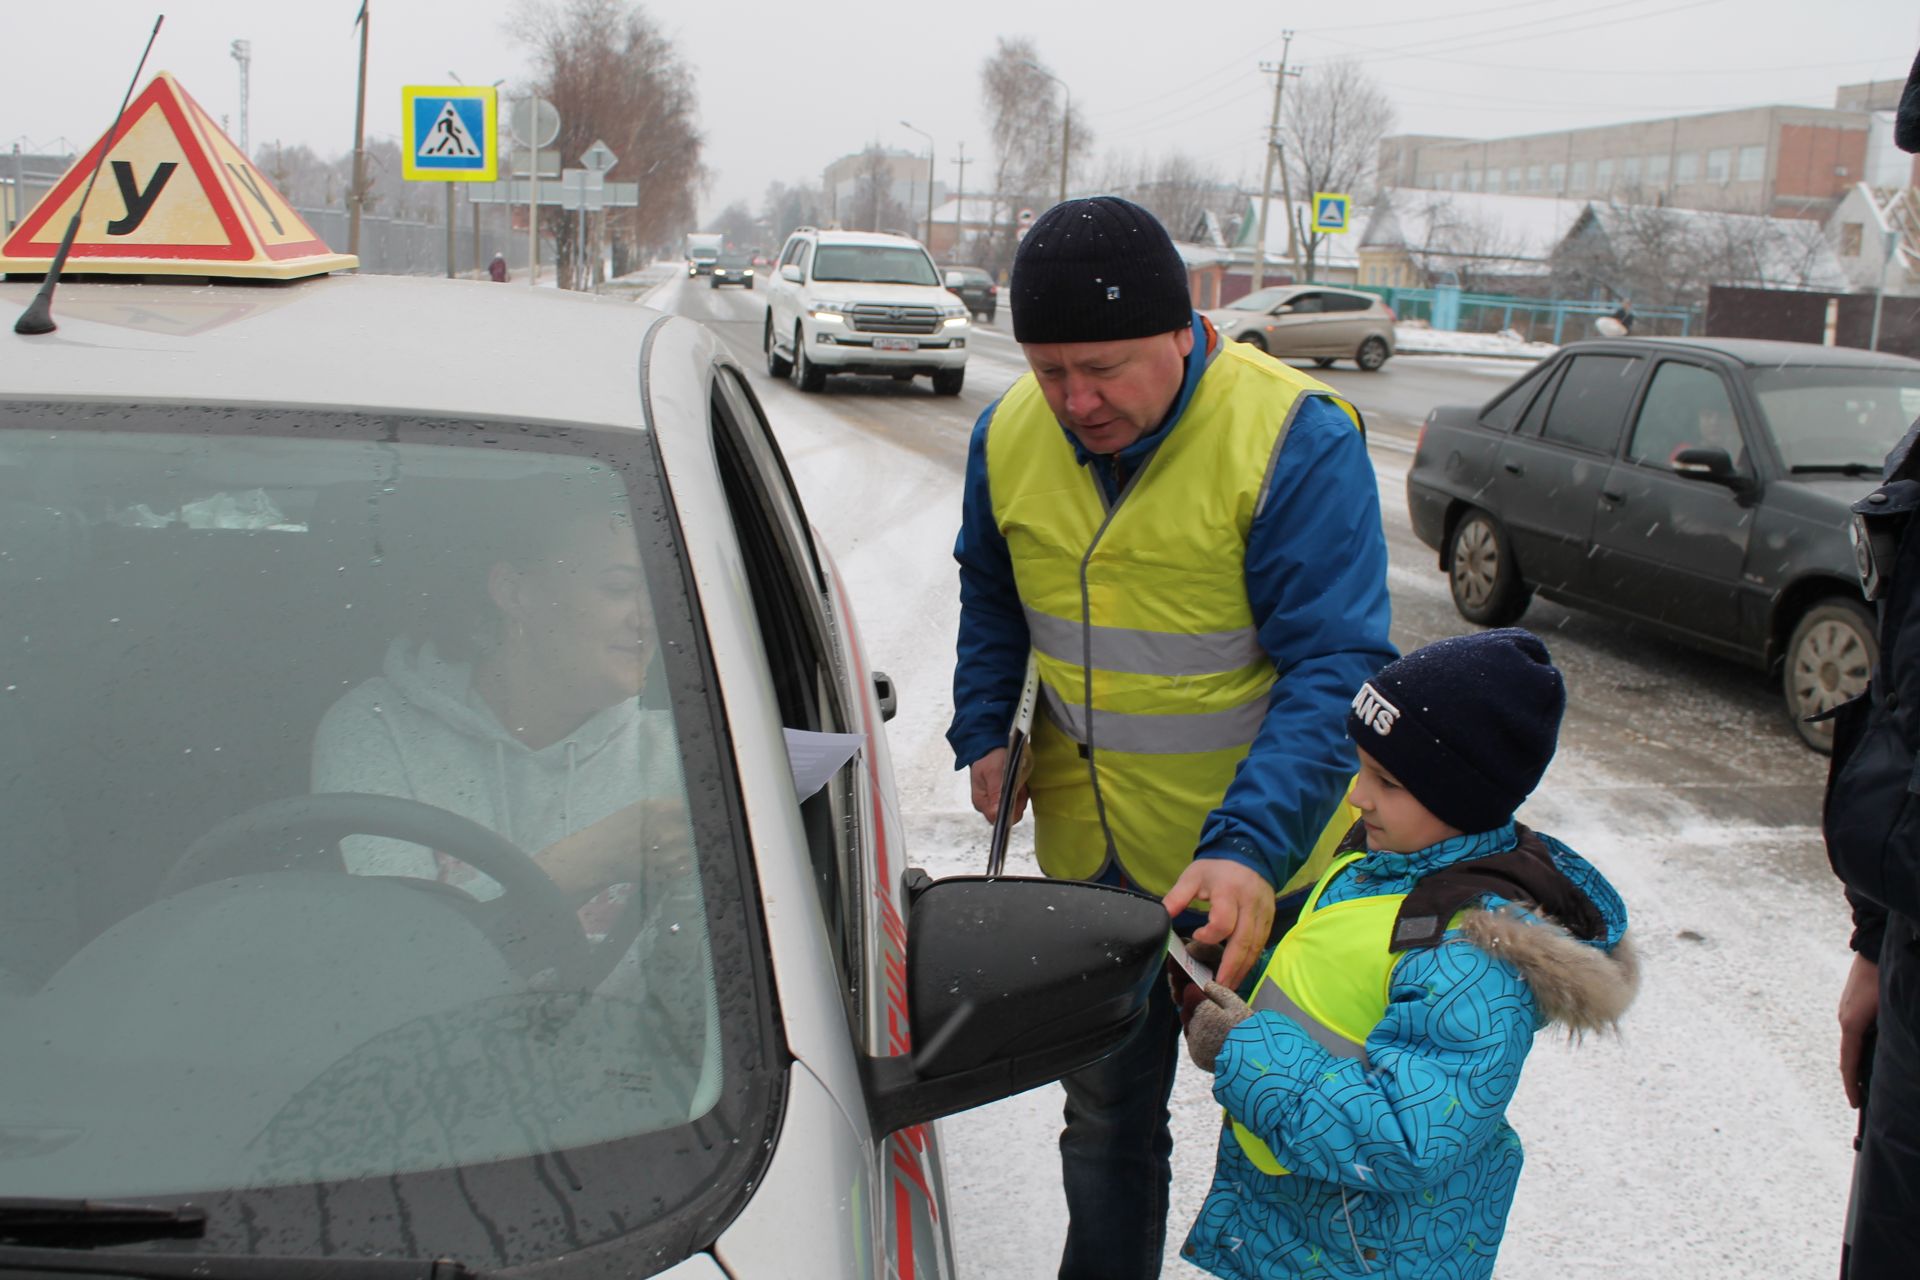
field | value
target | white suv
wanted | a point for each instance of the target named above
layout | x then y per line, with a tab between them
862	302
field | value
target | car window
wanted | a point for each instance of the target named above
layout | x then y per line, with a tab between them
1346	301
804	256
1590	406
1829	419
1307	304
1536	415
788	592
1504	413
289	700
874	264
1264	300
1686	406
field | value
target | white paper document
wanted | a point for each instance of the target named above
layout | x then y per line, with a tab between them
815	757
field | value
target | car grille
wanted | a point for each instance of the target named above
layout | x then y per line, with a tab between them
878	318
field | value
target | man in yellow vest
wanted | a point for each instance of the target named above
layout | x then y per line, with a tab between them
1185	535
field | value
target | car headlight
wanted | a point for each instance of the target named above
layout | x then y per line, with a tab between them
830	310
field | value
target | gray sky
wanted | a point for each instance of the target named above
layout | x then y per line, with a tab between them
784	90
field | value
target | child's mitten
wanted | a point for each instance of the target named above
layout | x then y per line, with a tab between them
1212	1018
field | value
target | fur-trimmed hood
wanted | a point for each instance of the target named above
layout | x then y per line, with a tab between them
1579	985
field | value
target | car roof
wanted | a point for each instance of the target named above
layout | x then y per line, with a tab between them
864	237
1757	352
460	348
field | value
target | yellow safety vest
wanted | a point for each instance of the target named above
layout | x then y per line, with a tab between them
1330	973
1153	683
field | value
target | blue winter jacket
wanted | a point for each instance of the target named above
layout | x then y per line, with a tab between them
1404	1166
1316	572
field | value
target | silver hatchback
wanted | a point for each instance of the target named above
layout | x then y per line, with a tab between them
1312	322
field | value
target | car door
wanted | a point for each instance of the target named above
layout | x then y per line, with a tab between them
1667	547
1551	471
1346	322
853	824
1296	327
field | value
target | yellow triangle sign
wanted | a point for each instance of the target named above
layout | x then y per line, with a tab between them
175	197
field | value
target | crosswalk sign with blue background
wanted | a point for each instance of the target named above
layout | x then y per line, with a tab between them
1331	210
451	133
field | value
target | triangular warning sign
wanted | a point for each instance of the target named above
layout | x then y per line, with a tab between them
174	197
448	137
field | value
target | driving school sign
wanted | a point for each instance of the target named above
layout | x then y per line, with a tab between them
451	133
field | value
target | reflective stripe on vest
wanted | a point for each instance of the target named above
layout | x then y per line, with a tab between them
1330	974
1153	679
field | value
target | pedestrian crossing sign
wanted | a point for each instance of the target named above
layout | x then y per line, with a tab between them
1331	210
451	133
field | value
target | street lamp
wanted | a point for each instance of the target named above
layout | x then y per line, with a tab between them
929	137
1066	122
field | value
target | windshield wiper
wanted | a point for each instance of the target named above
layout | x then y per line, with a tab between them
1835	468
80	1224
233	1266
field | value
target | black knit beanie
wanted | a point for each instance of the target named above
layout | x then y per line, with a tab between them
1097	270
1466	724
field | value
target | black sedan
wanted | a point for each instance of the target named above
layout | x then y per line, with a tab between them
1699	487
733	268
975	287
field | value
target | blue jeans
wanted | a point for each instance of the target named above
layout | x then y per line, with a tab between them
1116	1152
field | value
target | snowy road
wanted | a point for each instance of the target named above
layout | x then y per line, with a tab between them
1709	1141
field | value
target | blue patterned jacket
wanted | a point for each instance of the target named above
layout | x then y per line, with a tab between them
1405	1166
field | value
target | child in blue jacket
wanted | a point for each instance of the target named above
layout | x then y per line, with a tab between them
1367	1077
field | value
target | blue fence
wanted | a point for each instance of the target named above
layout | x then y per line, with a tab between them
1554	320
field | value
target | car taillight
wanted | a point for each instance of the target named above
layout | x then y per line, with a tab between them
992	290
1420	440
1391	318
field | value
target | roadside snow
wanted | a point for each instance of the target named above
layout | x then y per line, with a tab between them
1417	339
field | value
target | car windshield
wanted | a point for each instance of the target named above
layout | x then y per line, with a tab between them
873	264
1836	419
1263	300
349	854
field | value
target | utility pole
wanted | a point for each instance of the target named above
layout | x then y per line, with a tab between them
928	235
1279	74
959	199
357	196
242	51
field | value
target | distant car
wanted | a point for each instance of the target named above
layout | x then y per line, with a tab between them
1699	487
733	268
1297	322
976	288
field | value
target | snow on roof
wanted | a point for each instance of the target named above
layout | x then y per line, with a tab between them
1792	253
1521	231
1202	255
979	211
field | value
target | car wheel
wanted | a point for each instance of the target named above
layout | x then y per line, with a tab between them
1482	574
807	375
947	382
715	284
1829	660
778	366
1254	340
1372	354
1324	362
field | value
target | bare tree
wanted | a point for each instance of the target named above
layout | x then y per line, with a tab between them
1027	118
1331	124
785	207
1664	256
738	225
1456	244
614	77
1176	189
873	207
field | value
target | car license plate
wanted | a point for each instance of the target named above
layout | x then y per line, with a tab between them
895	344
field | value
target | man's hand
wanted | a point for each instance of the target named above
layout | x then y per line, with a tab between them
1240	914
1859	1011
988	775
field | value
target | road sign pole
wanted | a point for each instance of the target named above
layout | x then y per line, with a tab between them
451	272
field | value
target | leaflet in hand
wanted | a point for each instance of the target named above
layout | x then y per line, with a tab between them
1193	968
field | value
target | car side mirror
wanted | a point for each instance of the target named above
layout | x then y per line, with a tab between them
1705	462
792	272
1013	982
955	281
1283	309
886	695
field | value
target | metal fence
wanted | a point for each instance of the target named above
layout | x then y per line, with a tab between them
1554	320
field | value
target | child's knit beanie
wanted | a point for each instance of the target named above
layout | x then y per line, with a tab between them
1466	724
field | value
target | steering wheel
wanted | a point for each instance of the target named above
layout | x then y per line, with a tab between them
534	925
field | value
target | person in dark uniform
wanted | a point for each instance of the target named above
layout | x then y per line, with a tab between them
1873	840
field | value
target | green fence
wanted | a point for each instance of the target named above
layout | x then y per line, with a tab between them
1554	320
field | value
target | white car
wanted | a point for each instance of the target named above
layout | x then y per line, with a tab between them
862	302
230	517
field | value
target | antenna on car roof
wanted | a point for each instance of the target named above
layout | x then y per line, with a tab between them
38	317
